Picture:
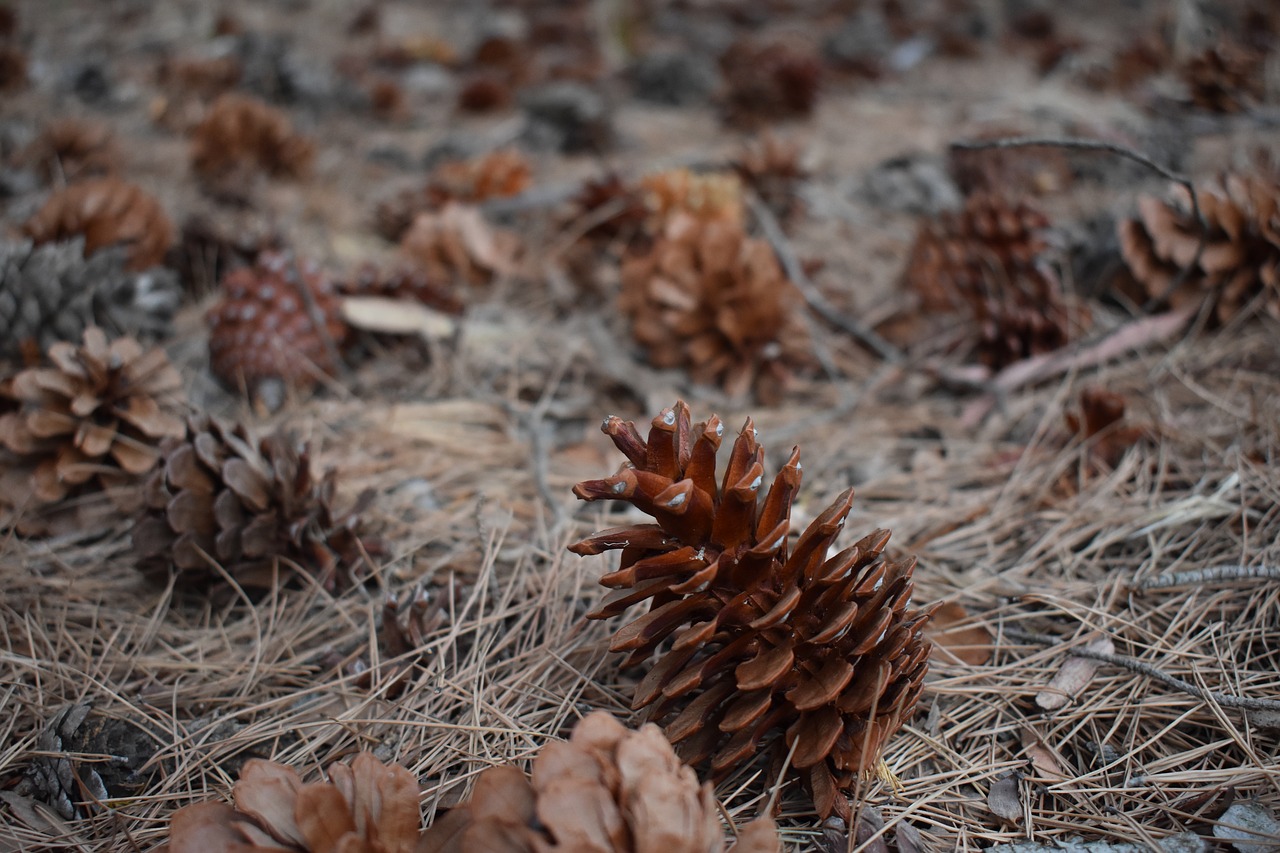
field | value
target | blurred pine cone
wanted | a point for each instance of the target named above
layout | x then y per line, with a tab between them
71	149
53	293
990	261
106	212
1240	261
773	643
279	320
710	197
365	807
711	299
255	508
458	245
498	174
772	168
614	207
241	135
769	81
93	421
605	790
1226	78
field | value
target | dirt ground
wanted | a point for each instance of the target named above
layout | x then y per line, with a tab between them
472	445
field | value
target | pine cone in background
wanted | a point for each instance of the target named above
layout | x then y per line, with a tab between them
769	81
1227	78
1240	261
241	135
499	174
615	207
990	261
53	293
606	790
92	421
774	644
458	245
365	807
71	149
106	212
772	168
709	197
213	243
711	299
279	320
254	508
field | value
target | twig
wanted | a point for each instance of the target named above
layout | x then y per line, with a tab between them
1226	700
795	271
1211	575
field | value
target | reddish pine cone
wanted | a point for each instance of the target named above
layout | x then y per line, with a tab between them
240	135
106	212
265	327
761	641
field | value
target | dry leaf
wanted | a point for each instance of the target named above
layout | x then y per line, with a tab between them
957	637
1004	799
1073	676
396	317
1043	759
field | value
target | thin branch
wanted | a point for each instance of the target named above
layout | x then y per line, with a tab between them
1226	700
1198	577
795	271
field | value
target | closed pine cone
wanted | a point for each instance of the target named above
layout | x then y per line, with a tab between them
606	790
1240	261
241	135
72	149
990	261
761	641
94	420
364	807
711	299
254	507
106	212
263	328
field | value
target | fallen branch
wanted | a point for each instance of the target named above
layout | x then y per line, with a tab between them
1226	700
1216	574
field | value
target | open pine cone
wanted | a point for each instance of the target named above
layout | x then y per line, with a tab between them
277	320
1240	261
708	297
1226	78
106	212
605	790
254	508
763	642
498	174
456	244
93	420
365	807
241	135
709	197
990	261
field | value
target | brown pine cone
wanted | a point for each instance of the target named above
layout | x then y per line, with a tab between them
106	212
622	207
1226	78
458	245
277	320
990	261
1240	261
498	174
255	509
605	790
763	642
71	149
92	421
241	135
710	197
711	299
769	81
772	168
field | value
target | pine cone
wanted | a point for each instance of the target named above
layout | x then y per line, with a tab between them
774	644
990	261
710	197
256	508
71	149
769	81
457	244
277	320
607	790
365	807
53	293
612	192
499	174
708	297
1225	79
773	169
92	421
1240	261
106	212
241	135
